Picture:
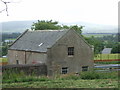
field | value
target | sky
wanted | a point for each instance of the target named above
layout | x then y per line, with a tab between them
67	11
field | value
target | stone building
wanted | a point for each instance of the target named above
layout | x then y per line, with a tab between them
63	51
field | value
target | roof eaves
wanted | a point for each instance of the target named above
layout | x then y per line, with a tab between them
29	50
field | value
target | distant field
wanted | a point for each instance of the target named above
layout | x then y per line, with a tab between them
3	60
96	35
107	56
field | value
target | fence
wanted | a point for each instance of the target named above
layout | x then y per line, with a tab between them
108	68
109	60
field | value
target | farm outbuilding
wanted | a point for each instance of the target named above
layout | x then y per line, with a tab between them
62	51
106	51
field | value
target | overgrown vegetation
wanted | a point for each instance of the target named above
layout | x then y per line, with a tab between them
15	76
14	79
99	75
11	76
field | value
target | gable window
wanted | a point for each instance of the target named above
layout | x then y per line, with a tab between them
84	68
17	61
70	50
64	70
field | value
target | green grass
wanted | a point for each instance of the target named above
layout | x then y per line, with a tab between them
107	56
85	80
96	83
3	60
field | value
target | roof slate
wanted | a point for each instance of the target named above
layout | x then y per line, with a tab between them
38	40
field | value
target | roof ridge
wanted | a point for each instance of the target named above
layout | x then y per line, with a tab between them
60	37
48	30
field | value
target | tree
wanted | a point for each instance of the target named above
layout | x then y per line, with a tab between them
98	44
116	48
47	25
77	28
4	49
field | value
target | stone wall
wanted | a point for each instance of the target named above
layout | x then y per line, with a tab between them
37	69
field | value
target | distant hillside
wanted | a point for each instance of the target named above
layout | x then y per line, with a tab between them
16	26
21	26
96	28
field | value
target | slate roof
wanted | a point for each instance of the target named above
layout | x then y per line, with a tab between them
106	51
38	40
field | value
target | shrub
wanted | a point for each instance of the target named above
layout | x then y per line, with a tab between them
98	75
12	74
21	77
69	76
43	78
89	75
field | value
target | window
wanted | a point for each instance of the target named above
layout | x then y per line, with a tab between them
17	61
64	70
85	68
70	50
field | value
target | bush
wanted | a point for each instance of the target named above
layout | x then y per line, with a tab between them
89	75
98	75
69	77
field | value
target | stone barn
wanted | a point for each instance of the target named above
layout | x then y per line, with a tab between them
62	51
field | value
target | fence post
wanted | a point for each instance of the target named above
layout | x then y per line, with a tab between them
108	56
100	56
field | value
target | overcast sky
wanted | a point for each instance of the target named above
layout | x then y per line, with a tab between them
92	11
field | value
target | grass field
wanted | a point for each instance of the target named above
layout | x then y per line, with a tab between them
107	56
3	60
